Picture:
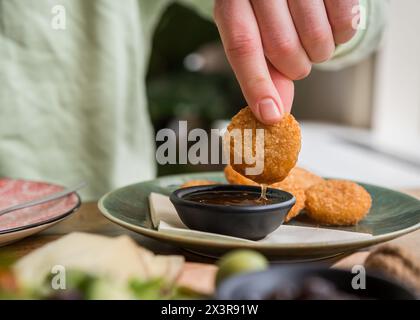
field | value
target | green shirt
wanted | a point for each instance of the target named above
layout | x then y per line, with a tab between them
73	101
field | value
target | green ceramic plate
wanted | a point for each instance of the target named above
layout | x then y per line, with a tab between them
392	215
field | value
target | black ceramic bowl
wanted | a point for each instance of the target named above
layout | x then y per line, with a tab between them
284	281
251	222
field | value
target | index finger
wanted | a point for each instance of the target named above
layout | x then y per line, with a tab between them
242	42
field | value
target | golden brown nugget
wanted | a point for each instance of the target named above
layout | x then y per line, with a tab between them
234	177
337	202
282	143
196	183
298	178
299	205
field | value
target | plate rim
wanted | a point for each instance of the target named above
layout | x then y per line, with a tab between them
48	221
252	245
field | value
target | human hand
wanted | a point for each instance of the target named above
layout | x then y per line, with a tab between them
270	43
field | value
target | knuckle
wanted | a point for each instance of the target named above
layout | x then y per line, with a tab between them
241	44
256	82
317	36
281	47
319	44
286	55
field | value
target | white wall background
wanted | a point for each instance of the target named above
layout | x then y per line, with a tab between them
396	112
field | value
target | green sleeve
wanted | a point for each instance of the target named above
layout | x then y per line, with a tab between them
366	40
203	7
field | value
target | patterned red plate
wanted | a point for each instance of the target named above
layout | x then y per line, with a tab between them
13	192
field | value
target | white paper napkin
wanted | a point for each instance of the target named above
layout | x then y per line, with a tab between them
166	219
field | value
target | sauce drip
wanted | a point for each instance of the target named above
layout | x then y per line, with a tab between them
263	196
231	198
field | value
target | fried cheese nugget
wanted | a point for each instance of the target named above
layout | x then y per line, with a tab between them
298	178
282	143
337	202
299	204
196	183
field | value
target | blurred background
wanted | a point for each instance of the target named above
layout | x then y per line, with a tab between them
361	123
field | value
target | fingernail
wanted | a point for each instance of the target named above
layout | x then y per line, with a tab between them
269	111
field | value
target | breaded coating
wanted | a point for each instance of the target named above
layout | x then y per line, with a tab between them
282	143
337	202
195	183
299	204
234	177
298	178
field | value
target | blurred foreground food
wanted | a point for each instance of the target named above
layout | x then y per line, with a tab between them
87	266
239	262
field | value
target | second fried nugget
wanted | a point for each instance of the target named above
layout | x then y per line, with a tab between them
337	202
300	197
298	178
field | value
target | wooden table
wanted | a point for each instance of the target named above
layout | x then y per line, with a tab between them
89	219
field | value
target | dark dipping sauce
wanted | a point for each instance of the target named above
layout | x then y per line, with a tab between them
231	198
